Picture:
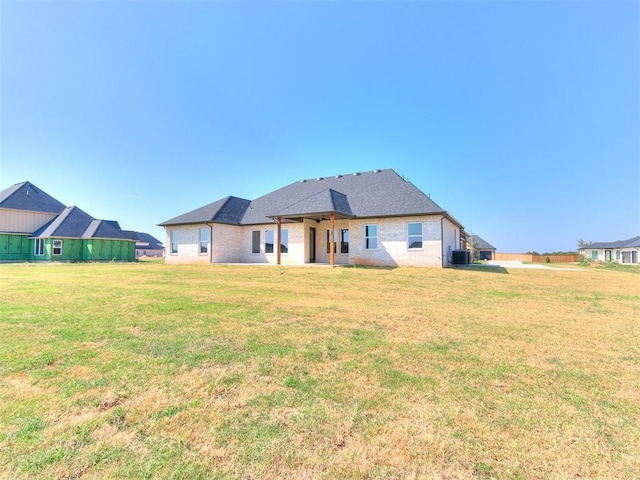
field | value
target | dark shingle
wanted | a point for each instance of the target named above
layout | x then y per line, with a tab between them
76	223
481	244
142	237
226	210
380	193
107	229
629	243
28	197
325	202
71	223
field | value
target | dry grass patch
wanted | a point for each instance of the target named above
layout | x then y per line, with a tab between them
148	370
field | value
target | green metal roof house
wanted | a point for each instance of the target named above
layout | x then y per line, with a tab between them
36	227
377	218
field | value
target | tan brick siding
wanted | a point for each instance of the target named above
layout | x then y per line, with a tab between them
392	243
233	244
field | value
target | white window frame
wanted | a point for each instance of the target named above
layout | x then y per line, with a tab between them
203	243
412	237
174	242
38	247
54	248
369	237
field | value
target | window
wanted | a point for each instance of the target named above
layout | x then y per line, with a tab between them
268	241
255	241
370	237
39	247
335	234
57	247
204	240
594	254
617	255
414	235
174	241
344	240
284	241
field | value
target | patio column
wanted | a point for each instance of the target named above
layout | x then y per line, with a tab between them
279	220
332	244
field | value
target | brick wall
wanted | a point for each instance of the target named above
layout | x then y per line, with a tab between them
233	244
392	243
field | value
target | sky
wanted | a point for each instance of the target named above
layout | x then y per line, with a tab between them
519	118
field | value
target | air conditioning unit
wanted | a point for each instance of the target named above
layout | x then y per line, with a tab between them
460	257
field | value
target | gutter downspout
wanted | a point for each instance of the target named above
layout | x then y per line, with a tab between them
278	255
442	240
210	243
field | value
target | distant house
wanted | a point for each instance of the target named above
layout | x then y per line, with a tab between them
486	251
36	227
147	245
372	218
622	251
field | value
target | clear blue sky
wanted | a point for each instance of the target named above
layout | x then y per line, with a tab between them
522	119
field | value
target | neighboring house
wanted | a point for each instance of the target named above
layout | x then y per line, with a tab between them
372	218
36	227
486	251
622	251
147	245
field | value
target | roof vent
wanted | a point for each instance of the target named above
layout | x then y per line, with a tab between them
355	174
319	178
377	171
338	176
302	181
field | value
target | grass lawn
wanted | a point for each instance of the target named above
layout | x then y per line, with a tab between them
152	371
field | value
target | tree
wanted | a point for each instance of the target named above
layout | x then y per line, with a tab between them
472	246
583	244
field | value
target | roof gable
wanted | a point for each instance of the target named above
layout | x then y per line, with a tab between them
225	210
380	193
106	229
71	223
26	196
481	244
326	201
76	223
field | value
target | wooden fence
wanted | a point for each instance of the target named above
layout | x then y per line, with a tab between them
526	257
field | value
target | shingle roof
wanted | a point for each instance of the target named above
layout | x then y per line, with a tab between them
380	193
26	196
225	210
141	237
629	243
106	229
76	223
71	223
482	244
325	202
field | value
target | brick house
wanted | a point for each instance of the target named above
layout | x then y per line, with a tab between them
377	218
